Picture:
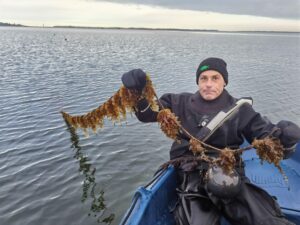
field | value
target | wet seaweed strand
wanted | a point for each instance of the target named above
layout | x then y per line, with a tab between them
169	123
271	150
268	149
115	108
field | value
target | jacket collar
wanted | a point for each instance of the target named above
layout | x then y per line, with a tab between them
209	107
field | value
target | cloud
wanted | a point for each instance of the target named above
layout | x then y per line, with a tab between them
98	13
287	9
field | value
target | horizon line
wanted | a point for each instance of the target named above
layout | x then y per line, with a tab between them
141	28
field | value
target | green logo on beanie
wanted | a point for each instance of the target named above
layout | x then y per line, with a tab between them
203	68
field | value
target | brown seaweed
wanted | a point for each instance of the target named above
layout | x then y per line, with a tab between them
169	123
115	108
196	147
270	150
226	160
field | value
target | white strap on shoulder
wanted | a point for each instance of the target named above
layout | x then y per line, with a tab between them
222	117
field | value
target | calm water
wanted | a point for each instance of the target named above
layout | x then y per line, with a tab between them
49	175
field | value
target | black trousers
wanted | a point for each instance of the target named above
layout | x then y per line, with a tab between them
251	206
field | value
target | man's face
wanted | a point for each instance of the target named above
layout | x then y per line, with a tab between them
211	84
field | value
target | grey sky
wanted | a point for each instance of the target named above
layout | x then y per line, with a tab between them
288	9
235	15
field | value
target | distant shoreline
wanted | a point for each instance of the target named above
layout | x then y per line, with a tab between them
11	25
142	28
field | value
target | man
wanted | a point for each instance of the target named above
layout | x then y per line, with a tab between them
197	205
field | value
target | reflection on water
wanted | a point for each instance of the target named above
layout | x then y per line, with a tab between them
98	208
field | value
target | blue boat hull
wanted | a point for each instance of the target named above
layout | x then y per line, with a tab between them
152	203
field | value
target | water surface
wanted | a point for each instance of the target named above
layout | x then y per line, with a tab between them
49	175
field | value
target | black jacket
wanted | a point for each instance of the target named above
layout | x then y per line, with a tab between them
192	110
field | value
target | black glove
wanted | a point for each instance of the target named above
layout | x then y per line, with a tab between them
290	133
134	79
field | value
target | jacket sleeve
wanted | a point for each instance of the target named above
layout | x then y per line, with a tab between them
145	114
259	127
289	135
256	126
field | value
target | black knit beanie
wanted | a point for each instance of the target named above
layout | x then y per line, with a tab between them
216	64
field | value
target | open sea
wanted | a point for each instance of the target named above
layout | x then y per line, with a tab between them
49	175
